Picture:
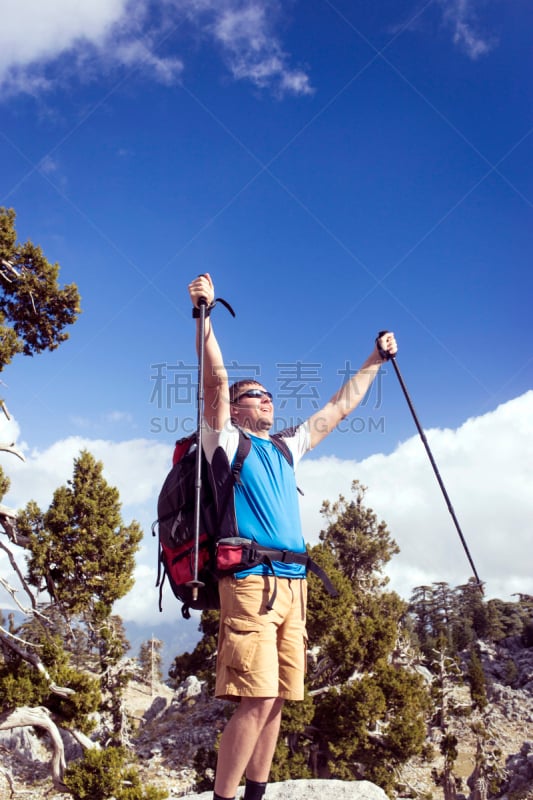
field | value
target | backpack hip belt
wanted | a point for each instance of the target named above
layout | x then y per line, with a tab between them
236	554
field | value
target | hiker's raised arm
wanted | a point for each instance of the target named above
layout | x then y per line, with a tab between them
216	396
351	393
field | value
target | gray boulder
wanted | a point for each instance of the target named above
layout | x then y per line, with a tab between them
319	789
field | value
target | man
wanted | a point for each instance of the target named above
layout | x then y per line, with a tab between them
261	652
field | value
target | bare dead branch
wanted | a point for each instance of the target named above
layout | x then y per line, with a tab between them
40	718
84	740
13	592
3	633
19	575
8	519
35	661
6	511
10	448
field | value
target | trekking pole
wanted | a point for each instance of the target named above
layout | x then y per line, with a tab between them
386	355
196	584
203	311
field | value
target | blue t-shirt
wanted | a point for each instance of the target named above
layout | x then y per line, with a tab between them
266	501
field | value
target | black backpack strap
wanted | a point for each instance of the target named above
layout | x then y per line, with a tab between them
313	567
272	599
245	445
243	448
161	575
279	442
224	481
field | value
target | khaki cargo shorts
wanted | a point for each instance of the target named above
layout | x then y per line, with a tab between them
261	653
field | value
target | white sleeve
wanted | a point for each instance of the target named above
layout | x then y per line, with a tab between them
298	441
228	439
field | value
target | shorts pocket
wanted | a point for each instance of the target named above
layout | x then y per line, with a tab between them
240	643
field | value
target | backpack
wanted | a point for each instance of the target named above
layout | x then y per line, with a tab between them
221	550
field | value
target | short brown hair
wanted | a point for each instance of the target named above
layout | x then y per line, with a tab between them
236	388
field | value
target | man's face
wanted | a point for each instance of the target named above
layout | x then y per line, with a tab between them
253	408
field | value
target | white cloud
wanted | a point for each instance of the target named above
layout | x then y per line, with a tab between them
88	36
35	34
33	31
119	416
91	36
136	467
245	32
48	165
487	470
461	17
485	465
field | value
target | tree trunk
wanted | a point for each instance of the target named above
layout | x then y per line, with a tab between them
39	718
449	786
478	784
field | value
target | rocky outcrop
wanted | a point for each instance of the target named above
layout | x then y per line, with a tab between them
173	731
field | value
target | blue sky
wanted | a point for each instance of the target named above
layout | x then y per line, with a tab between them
339	168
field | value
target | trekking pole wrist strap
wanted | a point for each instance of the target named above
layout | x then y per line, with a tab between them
208	308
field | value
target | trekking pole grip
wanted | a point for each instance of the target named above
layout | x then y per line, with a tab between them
383	353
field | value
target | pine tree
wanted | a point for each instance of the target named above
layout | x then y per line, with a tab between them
81	552
474	608
360	544
421	610
34	310
476	679
509	619
66	660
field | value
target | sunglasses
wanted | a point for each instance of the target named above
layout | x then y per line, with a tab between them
253	393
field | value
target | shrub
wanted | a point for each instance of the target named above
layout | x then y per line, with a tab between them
102	774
